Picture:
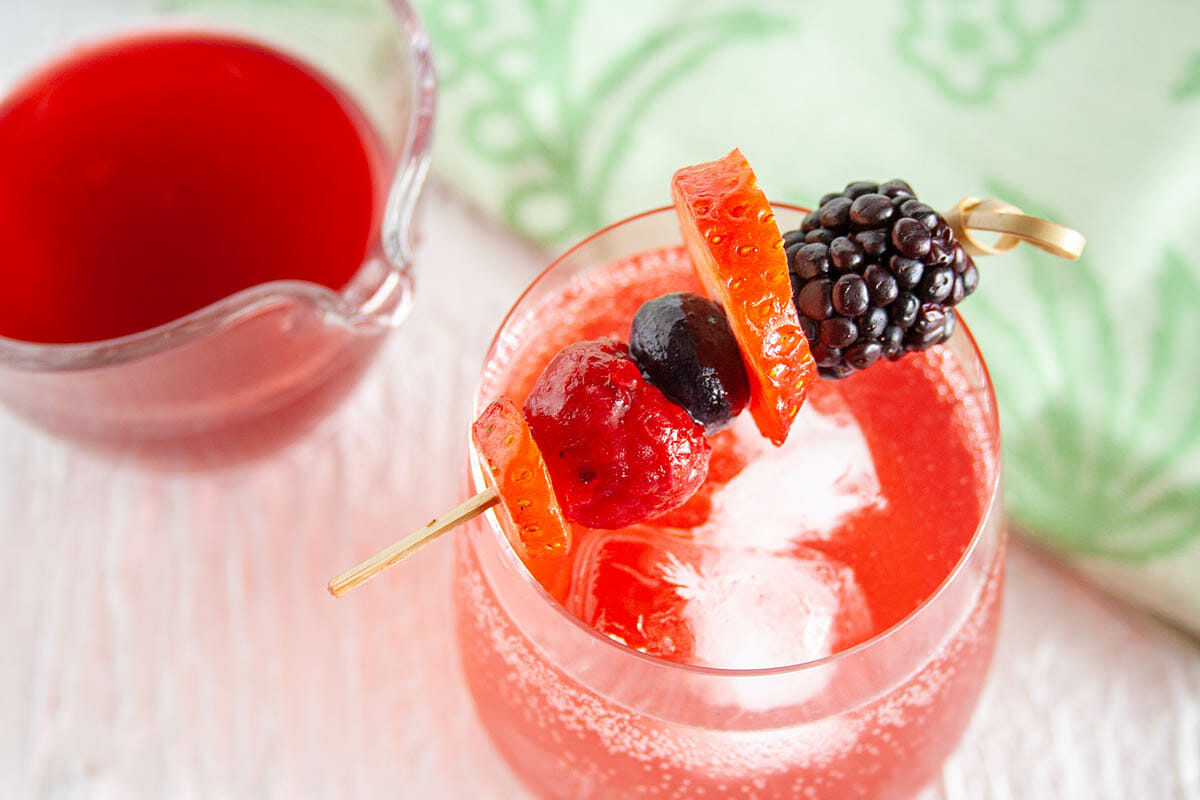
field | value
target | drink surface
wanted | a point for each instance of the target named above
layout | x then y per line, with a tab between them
146	178
786	554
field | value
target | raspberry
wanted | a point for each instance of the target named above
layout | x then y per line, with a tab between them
728	459
536	527
875	274
618	451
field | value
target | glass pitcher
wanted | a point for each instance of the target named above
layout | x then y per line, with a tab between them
249	373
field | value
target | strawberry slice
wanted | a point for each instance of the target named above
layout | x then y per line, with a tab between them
535	524
737	250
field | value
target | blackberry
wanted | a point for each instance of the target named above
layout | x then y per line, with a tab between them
875	274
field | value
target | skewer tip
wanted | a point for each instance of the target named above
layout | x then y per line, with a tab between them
410	544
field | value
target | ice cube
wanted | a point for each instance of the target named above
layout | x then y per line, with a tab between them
752	609
800	492
622	587
722	607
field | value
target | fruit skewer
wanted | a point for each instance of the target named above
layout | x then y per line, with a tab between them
872	272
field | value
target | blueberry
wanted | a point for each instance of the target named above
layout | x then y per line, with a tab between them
683	345
815	300
850	295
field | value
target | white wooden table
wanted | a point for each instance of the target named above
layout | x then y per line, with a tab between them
170	637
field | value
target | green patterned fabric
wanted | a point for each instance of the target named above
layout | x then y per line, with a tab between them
559	116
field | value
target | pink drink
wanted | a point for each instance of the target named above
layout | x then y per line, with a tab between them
818	622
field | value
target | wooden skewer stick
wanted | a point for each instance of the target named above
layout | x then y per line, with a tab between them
969	215
413	542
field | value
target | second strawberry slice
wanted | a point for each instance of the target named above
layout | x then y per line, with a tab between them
737	250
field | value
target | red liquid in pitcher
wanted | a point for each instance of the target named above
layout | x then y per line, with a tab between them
146	178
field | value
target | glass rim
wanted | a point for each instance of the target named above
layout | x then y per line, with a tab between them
392	241
874	642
